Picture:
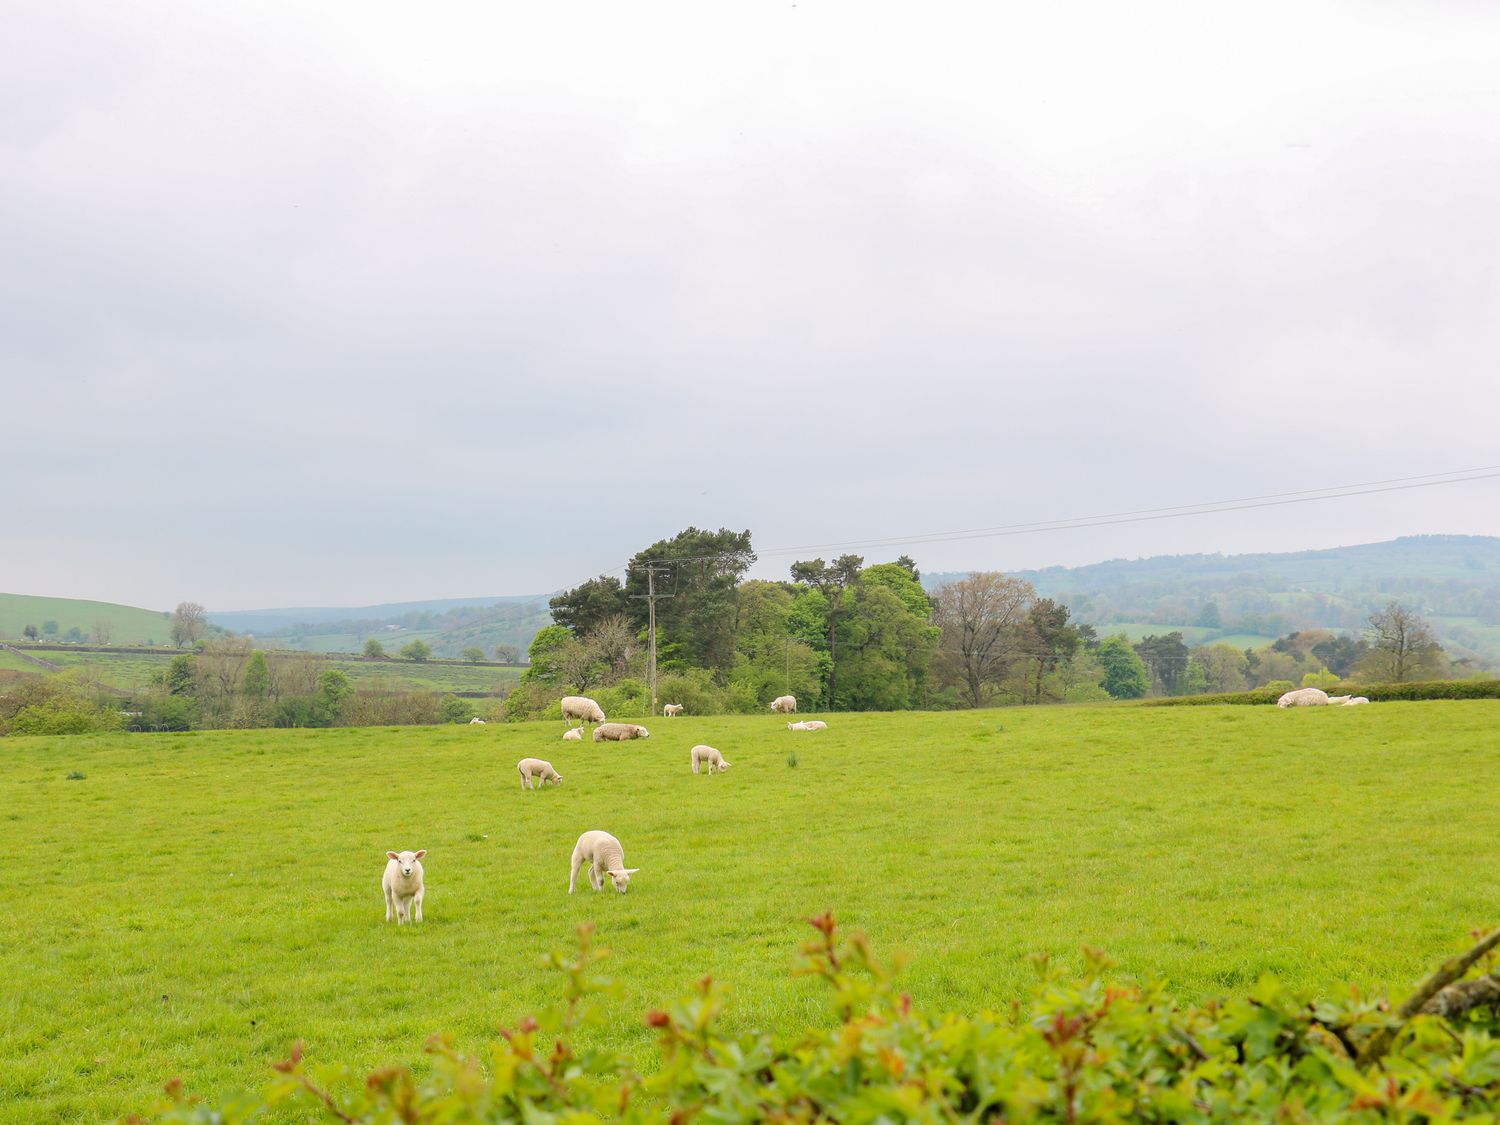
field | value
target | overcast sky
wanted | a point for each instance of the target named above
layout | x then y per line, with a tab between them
307	303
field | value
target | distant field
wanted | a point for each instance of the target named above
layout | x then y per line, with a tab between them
408	676
1192	635
131	671
127	624
196	903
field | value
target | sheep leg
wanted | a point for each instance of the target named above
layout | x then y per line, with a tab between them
596	876
695	765
417	899
573	875
388	898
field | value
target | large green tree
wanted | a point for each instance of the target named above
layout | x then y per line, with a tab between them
830	580
1049	640
583	607
1125	676
697	572
1166	658
887	642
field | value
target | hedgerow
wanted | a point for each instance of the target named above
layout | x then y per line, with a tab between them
1086	1049
1375	693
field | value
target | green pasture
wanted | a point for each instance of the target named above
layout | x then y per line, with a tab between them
193	904
1192	635
128	625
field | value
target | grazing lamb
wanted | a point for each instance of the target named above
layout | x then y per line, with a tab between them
714	759
808	724
1356	701
1304	697
619	732
402	884
582	708
784	705
537	772
573	734
604	855
670	709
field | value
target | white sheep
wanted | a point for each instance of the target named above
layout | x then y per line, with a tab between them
619	732
582	708
537	773
714	759
476	720
670	709
573	734
402	884
808	724
1337	700
605	856
1356	701
784	705
1304	697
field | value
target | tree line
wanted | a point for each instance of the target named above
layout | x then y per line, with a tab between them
850	635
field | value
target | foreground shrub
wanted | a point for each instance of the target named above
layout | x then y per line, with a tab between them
1086	1050
57	706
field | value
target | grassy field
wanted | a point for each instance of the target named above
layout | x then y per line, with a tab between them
195	903
127	624
1192	635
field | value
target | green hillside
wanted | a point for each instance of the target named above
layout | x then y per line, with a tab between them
126	625
1452	580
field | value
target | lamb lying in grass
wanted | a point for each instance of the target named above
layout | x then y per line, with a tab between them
402	884
537	772
808	724
1356	701
619	732
573	734
605	856
714	759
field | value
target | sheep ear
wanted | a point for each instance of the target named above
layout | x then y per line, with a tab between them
391	855
630	871
421	853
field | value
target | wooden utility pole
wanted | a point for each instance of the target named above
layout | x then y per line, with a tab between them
651	595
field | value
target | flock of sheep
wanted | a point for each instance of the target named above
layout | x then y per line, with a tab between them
602	853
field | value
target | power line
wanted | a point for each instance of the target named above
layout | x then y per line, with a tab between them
1140	515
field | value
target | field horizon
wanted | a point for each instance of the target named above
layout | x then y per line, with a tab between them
193	904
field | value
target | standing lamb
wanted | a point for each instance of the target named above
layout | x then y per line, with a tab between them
402	884
714	759
784	705
537	772
573	734
619	732
604	855
670	709
582	708
808	724
1304	697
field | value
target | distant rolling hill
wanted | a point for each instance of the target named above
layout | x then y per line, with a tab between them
120	624
276	620
1453	580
